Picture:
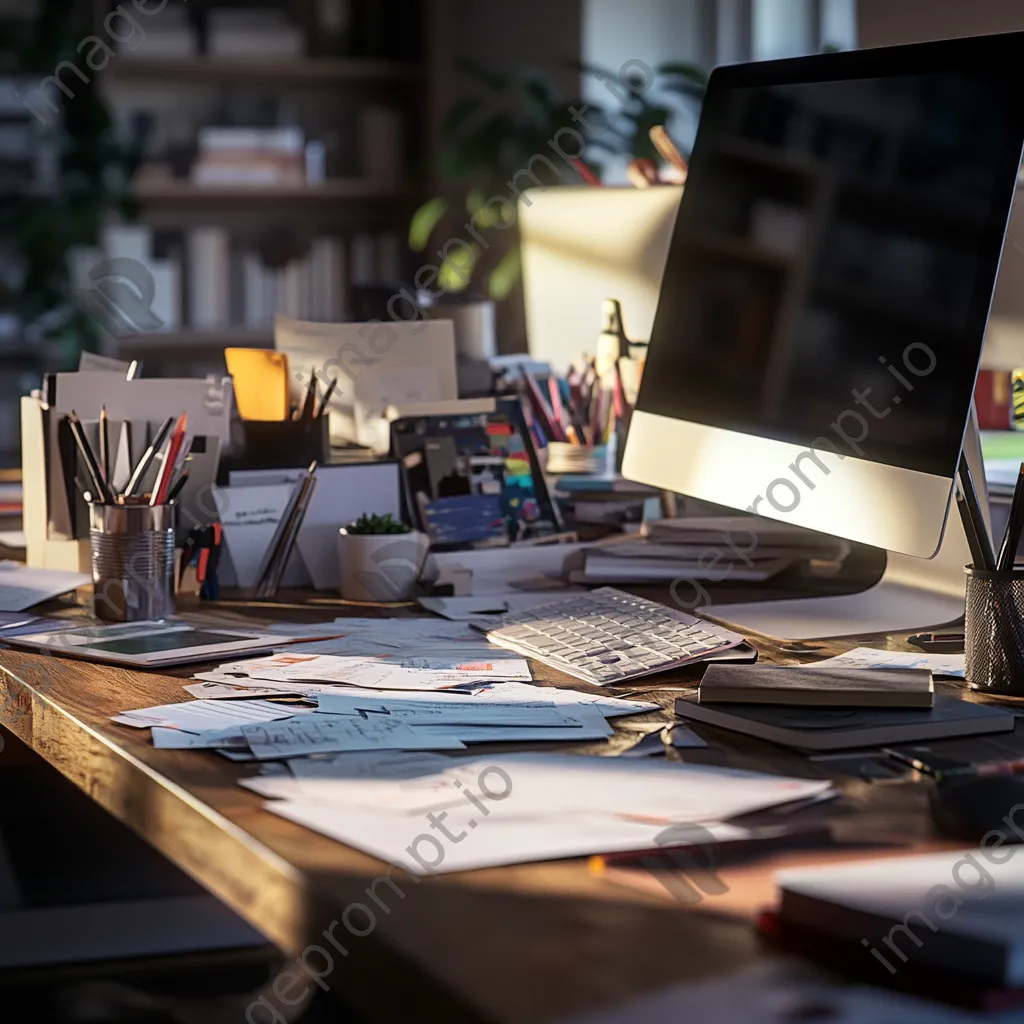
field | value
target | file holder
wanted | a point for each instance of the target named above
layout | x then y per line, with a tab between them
286	444
994	631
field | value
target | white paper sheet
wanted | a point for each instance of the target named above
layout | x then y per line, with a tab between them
455	710
21	588
480	838
250	516
553	784
400	674
343	778
317	735
870	657
203	715
586	725
177	739
610	707
229	691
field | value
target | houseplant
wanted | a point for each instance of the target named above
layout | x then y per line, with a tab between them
89	179
379	559
489	138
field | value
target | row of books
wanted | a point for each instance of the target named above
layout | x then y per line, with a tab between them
233	287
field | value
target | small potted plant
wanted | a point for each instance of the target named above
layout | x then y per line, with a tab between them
380	559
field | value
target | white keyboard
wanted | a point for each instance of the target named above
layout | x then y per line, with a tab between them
608	637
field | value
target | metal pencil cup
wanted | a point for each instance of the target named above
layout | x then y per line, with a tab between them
132	561
994	631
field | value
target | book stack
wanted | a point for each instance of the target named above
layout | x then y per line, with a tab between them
250	156
738	548
311	288
249	32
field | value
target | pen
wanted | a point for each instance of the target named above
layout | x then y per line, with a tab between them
98	486
307	404
1014	525
973	509
147	459
327	396
104	446
163	477
176	489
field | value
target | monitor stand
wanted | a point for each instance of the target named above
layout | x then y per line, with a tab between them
913	593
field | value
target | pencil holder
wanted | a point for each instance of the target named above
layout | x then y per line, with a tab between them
286	444
994	631
132	549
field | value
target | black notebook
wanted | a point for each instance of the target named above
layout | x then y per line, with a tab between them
842	728
817	687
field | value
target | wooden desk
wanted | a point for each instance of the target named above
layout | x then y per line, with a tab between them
532	943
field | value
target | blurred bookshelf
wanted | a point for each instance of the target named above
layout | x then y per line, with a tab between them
285	145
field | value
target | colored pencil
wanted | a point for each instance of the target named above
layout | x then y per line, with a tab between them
163	478
147	459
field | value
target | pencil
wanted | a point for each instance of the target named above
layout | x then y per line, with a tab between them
96	481
147	459
327	396
104	446
163	478
975	513
1014	525
176	489
307	404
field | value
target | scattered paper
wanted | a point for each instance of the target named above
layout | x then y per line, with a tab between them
413	673
455	710
871	657
21	588
204	715
317	735
176	739
480	839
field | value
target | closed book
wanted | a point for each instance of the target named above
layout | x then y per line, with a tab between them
844	728
817	687
208	266
958	911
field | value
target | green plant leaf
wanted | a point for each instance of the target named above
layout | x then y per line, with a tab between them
692	71
424	220
494	80
460	114
504	276
456	270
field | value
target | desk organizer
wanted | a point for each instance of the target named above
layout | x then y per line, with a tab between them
286	444
132	549
994	631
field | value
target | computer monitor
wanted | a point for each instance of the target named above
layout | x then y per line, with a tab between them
583	245
820	324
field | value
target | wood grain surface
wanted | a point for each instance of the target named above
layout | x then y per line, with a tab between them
530	943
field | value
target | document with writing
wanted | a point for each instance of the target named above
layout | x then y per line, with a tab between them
316	734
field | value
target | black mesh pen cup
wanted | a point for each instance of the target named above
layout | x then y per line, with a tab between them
132	548
994	631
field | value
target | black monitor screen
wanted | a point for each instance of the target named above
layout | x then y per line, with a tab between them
835	252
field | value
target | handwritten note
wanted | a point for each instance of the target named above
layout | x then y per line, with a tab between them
316	734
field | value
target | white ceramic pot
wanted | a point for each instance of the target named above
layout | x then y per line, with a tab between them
380	566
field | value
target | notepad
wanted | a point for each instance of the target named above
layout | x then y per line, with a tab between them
842	728
261	382
959	911
816	686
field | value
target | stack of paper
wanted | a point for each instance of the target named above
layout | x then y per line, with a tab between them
431	814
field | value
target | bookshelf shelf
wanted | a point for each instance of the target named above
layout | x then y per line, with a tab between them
266	71
181	340
356	189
